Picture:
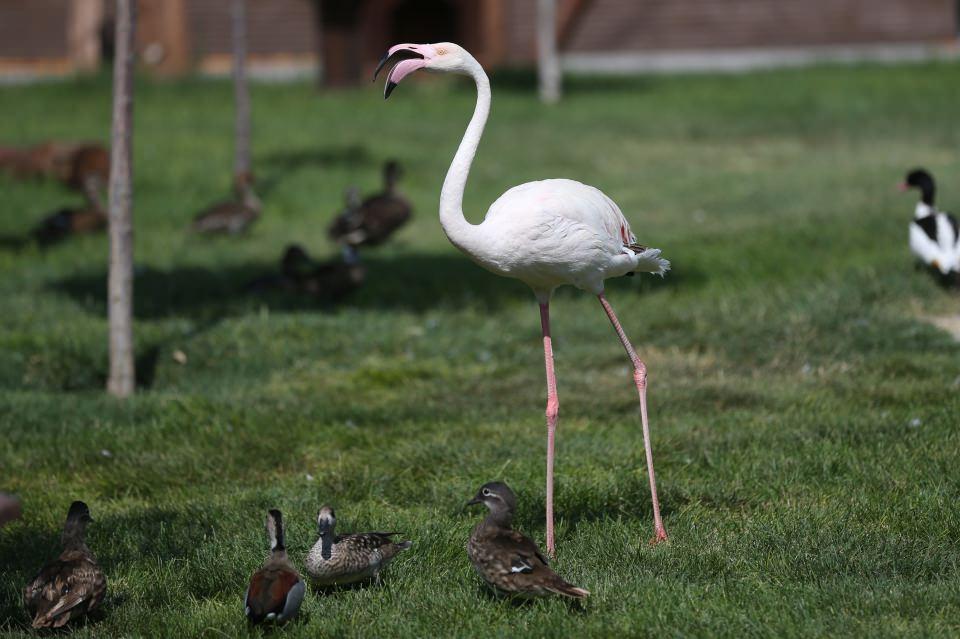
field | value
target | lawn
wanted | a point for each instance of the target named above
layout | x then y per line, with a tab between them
804	415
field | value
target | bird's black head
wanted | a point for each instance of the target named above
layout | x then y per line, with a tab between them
75	528
275	530
497	497
79	513
392	171
920	179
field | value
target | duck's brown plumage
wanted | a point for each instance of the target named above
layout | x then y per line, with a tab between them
374	220
506	559
299	273
82	166
232	216
72	584
70	221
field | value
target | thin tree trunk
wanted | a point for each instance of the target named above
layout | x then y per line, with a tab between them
241	94
548	64
120	285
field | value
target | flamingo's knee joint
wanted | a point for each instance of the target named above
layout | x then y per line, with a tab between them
553	411
640	374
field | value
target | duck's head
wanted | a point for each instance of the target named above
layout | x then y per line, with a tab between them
497	497
441	57
326	520
77	519
920	179
275	530
392	172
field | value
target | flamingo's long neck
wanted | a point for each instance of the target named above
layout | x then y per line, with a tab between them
465	236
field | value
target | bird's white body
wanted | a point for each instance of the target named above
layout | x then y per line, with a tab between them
546	234
555	232
941	250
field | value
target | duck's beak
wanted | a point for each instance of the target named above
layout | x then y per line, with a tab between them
903	186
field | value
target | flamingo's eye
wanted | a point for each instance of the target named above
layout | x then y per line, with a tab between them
441	51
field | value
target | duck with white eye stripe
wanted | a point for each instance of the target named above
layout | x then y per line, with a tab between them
507	560
345	559
934	236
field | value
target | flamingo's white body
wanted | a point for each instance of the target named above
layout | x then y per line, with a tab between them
555	232
547	233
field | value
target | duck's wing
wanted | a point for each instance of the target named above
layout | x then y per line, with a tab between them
294	599
69	586
367	540
523	568
925	243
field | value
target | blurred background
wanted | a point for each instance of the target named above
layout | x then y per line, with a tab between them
340	41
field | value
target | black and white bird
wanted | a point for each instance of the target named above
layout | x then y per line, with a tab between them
70	585
344	559
276	590
506	559
934	236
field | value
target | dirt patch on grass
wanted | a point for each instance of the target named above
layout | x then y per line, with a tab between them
948	323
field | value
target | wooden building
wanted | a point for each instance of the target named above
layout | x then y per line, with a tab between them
344	38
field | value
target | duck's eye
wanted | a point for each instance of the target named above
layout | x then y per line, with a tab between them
486	492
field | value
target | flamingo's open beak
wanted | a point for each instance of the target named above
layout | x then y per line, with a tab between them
406	58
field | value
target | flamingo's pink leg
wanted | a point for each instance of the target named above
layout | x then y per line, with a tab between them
553	412
640	377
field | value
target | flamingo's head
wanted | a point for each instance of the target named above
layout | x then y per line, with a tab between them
442	57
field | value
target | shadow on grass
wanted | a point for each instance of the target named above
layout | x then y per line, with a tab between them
25	550
407	282
278	165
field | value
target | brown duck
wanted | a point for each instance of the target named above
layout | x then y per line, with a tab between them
82	166
507	560
276	590
232	216
72	584
327	281
372	221
75	220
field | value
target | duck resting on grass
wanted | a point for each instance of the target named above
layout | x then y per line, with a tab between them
372	221
302	275
82	166
276	590
507	560
232	216
67	221
934	236
345	559
72	584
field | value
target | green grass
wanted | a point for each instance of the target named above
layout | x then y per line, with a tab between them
804	417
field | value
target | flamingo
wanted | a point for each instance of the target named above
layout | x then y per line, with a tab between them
547	234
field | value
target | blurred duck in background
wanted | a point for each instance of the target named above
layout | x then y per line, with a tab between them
372	221
934	236
233	216
300	274
81	166
67	221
